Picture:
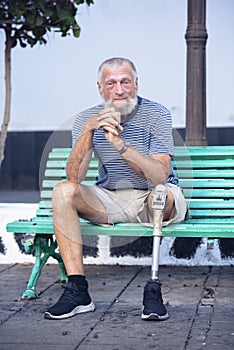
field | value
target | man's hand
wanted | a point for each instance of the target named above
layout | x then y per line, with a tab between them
107	119
110	121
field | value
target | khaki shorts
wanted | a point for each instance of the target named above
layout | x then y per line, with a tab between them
132	205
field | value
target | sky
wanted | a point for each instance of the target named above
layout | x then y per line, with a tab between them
52	82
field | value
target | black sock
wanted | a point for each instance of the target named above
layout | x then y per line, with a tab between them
77	279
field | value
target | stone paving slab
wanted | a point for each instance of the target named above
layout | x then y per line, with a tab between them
199	301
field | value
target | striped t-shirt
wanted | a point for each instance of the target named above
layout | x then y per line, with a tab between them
148	129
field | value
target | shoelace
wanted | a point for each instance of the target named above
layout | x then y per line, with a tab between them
152	294
70	295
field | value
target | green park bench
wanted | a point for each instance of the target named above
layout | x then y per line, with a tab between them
206	175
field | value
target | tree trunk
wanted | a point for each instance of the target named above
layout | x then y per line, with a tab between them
6	117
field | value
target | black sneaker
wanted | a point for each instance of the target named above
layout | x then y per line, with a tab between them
153	308
75	300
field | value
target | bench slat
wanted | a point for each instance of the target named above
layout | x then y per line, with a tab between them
204	220
201	152
61	163
204	174
207	183
193	204
211	193
137	230
182	173
205	151
57	173
221	204
206	163
193	212
184	183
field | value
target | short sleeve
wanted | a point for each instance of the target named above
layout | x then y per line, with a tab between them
161	139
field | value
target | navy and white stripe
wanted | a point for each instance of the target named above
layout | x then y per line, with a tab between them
149	130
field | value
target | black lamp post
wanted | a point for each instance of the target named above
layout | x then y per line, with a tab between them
196	37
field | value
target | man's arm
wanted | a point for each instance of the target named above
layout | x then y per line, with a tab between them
154	169
78	161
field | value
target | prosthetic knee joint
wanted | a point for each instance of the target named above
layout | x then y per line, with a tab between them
158	204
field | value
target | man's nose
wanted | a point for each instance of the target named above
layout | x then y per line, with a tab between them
119	89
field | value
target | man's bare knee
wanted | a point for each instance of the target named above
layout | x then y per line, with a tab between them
65	192
79	198
169	206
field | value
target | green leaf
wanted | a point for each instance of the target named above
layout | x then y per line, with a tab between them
2	14
30	18
43	41
89	2
42	5
65	28
48	12
13	42
63	14
78	2
39	21
39	32
76	32
31	41
22	44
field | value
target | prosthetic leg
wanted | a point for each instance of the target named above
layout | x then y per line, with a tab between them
158	204
153	308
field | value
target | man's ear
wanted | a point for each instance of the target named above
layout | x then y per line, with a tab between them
136	83
100	89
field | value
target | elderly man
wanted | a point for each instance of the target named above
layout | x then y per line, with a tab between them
132	140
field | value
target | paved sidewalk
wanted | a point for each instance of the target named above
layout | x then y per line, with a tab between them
199	301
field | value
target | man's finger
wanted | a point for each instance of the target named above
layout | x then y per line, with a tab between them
111	130
110	122
109	113
107	110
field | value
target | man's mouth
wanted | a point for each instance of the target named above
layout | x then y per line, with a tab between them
120	99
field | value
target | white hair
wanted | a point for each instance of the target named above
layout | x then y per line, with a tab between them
115	61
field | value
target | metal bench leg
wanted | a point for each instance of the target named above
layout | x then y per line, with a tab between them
210	243
158	204
47	248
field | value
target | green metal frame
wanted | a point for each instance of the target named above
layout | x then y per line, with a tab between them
44	247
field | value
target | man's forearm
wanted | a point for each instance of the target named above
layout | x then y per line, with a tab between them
78	161
149	168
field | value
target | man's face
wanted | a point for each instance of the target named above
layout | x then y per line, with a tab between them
118	87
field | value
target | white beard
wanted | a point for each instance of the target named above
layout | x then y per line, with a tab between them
125	108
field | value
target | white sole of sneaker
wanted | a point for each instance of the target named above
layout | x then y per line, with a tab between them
154	317
78	310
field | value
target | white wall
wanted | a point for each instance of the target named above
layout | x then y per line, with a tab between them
52	82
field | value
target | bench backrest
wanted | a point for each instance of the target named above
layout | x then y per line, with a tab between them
206	175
